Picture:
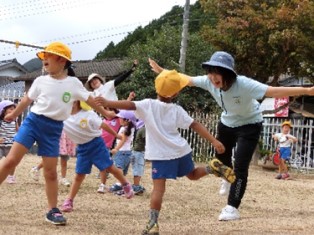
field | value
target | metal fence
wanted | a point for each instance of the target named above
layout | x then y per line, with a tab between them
302	151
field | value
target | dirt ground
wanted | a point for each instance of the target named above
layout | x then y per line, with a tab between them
269	206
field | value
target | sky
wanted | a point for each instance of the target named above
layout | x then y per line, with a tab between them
86	26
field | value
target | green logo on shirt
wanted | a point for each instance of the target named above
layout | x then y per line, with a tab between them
66	97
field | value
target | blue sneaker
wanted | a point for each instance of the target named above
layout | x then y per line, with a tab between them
116	187
55	216
138	189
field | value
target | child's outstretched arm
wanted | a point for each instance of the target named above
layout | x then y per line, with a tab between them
24	103
111	131
203	132
100	109
120	104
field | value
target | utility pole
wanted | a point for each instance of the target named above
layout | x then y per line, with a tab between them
185	32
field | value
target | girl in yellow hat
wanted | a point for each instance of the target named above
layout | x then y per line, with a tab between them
54	94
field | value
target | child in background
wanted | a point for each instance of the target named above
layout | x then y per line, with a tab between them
169	152
122	150
137	157
54	94
7	132
285	141
67	150
114	123
83	127
98	85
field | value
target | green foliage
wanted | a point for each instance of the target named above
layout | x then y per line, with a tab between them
263	152
164	47
268	38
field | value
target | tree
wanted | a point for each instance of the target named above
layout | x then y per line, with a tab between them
267	38
164	47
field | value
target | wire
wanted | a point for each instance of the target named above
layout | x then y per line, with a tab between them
40	8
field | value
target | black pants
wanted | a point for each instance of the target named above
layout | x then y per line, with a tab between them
245	139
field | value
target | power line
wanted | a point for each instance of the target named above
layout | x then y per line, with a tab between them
17	44
40	8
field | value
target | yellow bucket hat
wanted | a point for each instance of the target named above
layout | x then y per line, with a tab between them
170	82
56	48
288	123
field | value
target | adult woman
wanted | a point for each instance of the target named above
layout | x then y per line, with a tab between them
241	119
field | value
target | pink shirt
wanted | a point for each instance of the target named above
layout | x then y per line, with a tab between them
108	138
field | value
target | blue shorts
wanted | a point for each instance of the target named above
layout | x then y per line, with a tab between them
45	131
138	162
171	169
285	153
122	160
92	153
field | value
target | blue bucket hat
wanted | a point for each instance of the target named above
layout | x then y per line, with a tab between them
221	59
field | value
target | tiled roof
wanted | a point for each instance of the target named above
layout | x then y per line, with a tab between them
106	68
12	63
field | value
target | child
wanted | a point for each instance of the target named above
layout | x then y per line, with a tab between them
122	151
54	94
83	127
137	157
285	140
7	131
67	150
170	154
99	86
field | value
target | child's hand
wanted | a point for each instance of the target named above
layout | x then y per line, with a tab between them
135	64
113	151
9	117
131	96
155	67
220	148
100	101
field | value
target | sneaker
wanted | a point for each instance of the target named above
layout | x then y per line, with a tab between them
34	173
229	213
285	176
115	187
128	191
278	177
102	188
67	205
65	182
224	188
138	189
220	170
11	179
55	216
151	229
119	193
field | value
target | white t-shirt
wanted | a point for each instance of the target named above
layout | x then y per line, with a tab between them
54	98
127	146
108	91
162	120
83	126
283	140
239	103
